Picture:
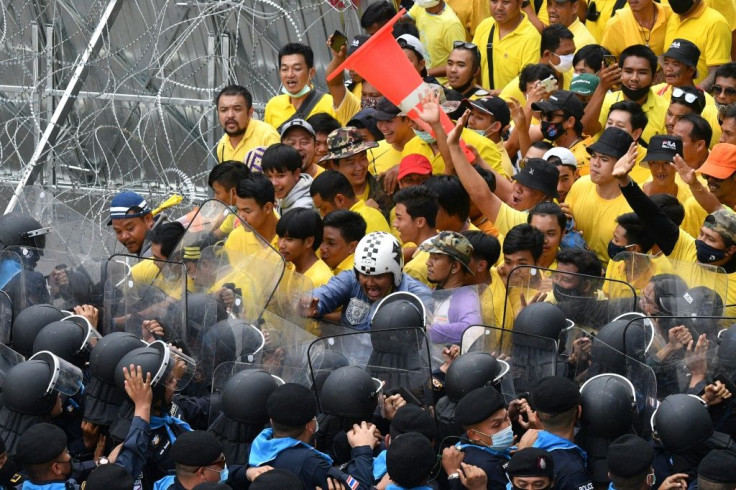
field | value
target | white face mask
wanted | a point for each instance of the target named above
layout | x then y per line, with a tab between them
427	4
565	62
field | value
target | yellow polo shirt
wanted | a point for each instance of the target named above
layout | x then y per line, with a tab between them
374	220
581	34
385	156
258	133
244	241
594	216
509	217
505	159
727	8
438	32
280	108
655	108
709	31
510	54
492	302
471	13
486	148
622	30
605	7
346	265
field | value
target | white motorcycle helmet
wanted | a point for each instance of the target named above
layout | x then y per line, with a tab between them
378	253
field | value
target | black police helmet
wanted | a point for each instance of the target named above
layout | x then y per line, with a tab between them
470	371
13	227
616	341
204	310
682	422
402	311
108	352
148	358
25	388
244	396
609	404
29	322
541	319
349	392
323	364
64	338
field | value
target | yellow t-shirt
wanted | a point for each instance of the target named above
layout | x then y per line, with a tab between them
684	249
492	301
580	150
594	216
385	156
581	34
438	32
505	159
319	273
727	8
471	13
258	133
509	217
280	108
605	7
374	220
710	112
655	108
349	107
709	31
417	267
245	242
510	54
511	90
694	217
622	30
486	148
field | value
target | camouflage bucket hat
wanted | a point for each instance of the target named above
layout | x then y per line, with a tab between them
450	243
722	222
346	142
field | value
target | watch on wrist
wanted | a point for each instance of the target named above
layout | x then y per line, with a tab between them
453	476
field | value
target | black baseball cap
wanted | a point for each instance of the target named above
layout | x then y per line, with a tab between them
683	51
662	148
614	142
562	100
357	42
495	106
540	175
386	110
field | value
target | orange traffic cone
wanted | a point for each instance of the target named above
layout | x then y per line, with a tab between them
382	62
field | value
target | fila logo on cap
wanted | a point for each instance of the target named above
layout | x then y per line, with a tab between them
669	145
675	45
542	464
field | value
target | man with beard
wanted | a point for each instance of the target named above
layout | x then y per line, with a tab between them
634	71
242	133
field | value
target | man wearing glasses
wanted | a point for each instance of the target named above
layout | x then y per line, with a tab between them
724	89
463	68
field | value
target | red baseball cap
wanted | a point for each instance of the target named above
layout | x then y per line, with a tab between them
721	162
414	163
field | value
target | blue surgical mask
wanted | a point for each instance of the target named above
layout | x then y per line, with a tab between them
304	91
503	439
224	474
425	136
481	132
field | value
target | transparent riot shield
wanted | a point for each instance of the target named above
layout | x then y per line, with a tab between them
453	311
146	297
229	341
284	352
8	359
239	266
6	317
398	357
530	358
589	302
65	377
293	291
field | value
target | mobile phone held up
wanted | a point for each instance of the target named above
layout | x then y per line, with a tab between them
338	41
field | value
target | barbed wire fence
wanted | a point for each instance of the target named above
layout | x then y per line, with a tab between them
102	95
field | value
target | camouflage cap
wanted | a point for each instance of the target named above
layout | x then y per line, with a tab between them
722	222
346	142
450	243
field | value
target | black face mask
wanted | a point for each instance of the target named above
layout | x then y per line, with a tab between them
681	6
552	131
635	95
